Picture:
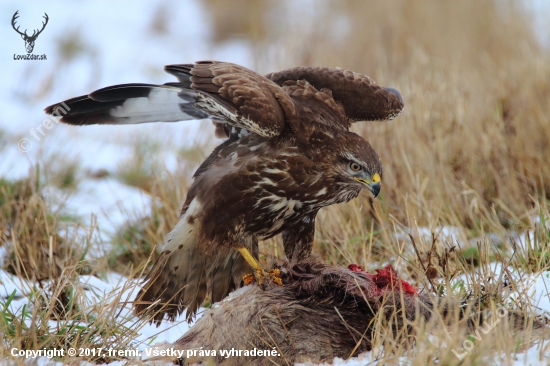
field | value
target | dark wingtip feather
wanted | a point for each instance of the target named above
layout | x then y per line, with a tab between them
82	111
396	93
396	103
122	92
49	109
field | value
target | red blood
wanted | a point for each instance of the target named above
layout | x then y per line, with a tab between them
385	279
355	268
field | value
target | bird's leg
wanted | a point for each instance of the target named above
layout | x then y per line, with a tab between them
259	274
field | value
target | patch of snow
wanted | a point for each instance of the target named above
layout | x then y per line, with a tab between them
3	254
534	356
448	233
116	202
537	288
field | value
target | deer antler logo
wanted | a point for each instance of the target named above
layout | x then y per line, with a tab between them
29	40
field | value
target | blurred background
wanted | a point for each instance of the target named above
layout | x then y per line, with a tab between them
470	150
467	161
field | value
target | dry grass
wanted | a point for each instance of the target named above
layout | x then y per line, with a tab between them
31	226
470	151
48	256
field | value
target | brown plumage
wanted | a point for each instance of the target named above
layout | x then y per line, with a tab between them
289	153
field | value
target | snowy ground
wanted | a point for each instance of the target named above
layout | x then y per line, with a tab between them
536	286
110	57
96	289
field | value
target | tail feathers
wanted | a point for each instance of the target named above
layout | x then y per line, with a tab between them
160	291
195	290
226	273
181	279
130	104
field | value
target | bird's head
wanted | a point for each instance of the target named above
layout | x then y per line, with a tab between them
353	163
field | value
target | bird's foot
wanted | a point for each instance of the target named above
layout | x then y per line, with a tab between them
260	277
248	279
275	275
259	274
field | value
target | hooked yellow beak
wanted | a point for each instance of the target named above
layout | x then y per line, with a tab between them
373	184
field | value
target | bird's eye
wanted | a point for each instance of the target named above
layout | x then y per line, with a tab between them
355	167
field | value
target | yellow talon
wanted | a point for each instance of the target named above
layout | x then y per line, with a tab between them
248	279
259	274
275	275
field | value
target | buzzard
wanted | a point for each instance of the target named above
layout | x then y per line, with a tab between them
288	153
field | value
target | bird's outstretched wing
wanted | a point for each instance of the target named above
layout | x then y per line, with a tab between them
224	92
361	98
237	95
126	104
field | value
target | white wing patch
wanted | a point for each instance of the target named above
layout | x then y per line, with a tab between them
162	105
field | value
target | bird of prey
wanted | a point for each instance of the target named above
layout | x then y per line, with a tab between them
288	152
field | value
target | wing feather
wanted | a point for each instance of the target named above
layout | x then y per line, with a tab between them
127	104
361	98
241	97
224	92
233	95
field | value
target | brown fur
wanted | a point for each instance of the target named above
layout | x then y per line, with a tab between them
320	313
